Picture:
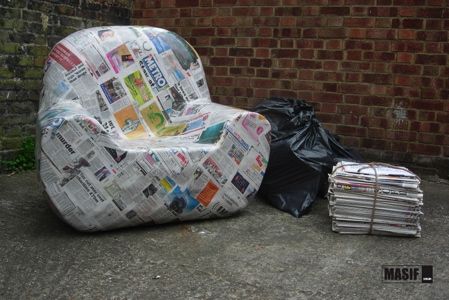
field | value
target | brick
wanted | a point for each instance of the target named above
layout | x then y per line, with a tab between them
355	110
403	80
329	118
401	135
248	32
434	24
382	11
287	11
307	85
203	31
223	41
358	22
287	32
261	93
433	47
409	2
407	11
364	45
430	12
443	118
286	43
243	61
310	22
305	74
326	54
241	52
381	34
425	149
333	44
413	23
309	33
310	11
285	53
270	83
436	2
353	88
349	130
283	93
352	99
245	11
431	59
352	77
288	21
265	32
224	21
266	21
359	11
264	53
436	36
316	44
331	32
406	69
386	23
340	11
266	11
224	2
406	34
427	104
284	73
330	87
256	62
186	3
328	97
202	11
264	42
377	78
260	2
328	108
327	76
395	23
354	66
426	116
427	138
376	101
222	61
308	64
243	42
357	33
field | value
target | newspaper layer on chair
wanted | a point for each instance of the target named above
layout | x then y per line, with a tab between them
375	198
128	133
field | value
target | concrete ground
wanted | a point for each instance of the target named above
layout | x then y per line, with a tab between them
260	254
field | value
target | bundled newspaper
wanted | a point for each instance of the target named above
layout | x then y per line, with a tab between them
128	133
375	198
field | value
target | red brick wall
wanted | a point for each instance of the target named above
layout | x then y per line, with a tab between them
376	71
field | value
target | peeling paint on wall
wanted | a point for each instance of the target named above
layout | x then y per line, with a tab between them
44	20
399	115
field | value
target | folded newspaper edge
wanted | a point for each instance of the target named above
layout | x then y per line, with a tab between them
128	133
375	198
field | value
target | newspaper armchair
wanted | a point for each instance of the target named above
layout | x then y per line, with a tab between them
128	133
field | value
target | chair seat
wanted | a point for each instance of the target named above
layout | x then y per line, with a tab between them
128	133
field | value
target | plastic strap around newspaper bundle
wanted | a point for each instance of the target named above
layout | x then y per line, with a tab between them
376	191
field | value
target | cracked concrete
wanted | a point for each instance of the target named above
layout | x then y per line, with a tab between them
261	253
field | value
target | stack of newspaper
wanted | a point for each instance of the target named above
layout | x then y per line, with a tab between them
374	198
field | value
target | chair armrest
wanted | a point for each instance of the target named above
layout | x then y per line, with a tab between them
251	127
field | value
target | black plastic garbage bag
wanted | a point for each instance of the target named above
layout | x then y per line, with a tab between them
301	157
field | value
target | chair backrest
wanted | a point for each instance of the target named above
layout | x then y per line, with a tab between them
136	81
